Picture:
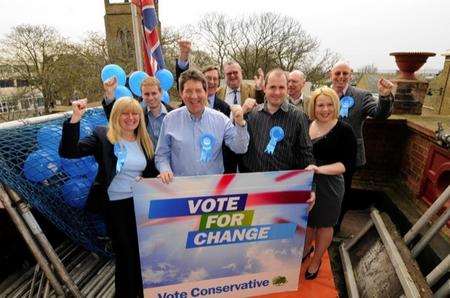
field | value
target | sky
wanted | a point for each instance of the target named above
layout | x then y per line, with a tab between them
361	31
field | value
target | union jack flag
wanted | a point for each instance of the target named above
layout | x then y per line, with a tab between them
152	51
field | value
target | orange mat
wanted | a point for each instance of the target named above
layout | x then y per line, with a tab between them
322	286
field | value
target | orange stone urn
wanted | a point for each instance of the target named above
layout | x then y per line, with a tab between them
410	62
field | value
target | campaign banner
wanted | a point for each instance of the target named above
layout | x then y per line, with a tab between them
235	235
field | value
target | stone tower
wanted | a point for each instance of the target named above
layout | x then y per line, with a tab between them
119	34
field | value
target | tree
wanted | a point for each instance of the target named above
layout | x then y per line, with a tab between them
77	71
266	40
366	69
169	41
215	34
32	51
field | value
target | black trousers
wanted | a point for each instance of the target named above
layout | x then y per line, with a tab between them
121	224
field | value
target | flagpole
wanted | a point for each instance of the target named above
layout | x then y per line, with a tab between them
136	20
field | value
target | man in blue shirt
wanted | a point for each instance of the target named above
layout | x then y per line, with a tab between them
191	137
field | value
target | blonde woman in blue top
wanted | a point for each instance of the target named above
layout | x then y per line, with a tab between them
124	153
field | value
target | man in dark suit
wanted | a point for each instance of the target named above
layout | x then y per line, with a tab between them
356	106
211	73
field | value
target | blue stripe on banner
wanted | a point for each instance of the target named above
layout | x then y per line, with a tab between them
196	205
240	235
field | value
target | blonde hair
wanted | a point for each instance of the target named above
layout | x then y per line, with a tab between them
327	91
128	104
151	81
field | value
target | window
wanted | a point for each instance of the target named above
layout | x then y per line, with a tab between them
6	83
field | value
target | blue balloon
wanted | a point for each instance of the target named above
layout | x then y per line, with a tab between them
122	91
75	191
114	70
77	167
41	164
165	98
135	81
165	78
49	137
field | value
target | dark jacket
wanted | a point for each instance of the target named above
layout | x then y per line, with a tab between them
221	106
365	106
101	148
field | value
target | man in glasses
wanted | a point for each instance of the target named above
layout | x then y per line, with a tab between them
154	109
236	91
356	105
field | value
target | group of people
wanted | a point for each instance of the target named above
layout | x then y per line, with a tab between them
269	126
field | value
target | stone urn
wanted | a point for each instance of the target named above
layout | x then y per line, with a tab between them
410	62
410	90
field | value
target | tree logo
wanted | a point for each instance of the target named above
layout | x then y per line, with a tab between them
279	280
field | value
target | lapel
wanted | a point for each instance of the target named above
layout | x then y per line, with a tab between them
244	93
216	103
221	92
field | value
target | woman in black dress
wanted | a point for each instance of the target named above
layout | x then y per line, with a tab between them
334	148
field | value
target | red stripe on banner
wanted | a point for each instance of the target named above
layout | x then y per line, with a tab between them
223	183
298	229
288	175
273	198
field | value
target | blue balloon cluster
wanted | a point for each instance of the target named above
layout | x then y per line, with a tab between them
164	77
45	162
41	165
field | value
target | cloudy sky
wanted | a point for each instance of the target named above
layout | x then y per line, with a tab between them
362	32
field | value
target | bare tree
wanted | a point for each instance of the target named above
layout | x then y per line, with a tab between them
32	51
317	67
216	36
366	69
265	40
169	41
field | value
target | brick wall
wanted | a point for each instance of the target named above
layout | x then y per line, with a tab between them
384	142
414	160
394	151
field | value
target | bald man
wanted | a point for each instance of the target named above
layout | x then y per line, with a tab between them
296	82
356	105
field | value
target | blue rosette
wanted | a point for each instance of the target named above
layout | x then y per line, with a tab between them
346	103
276	135
207	142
